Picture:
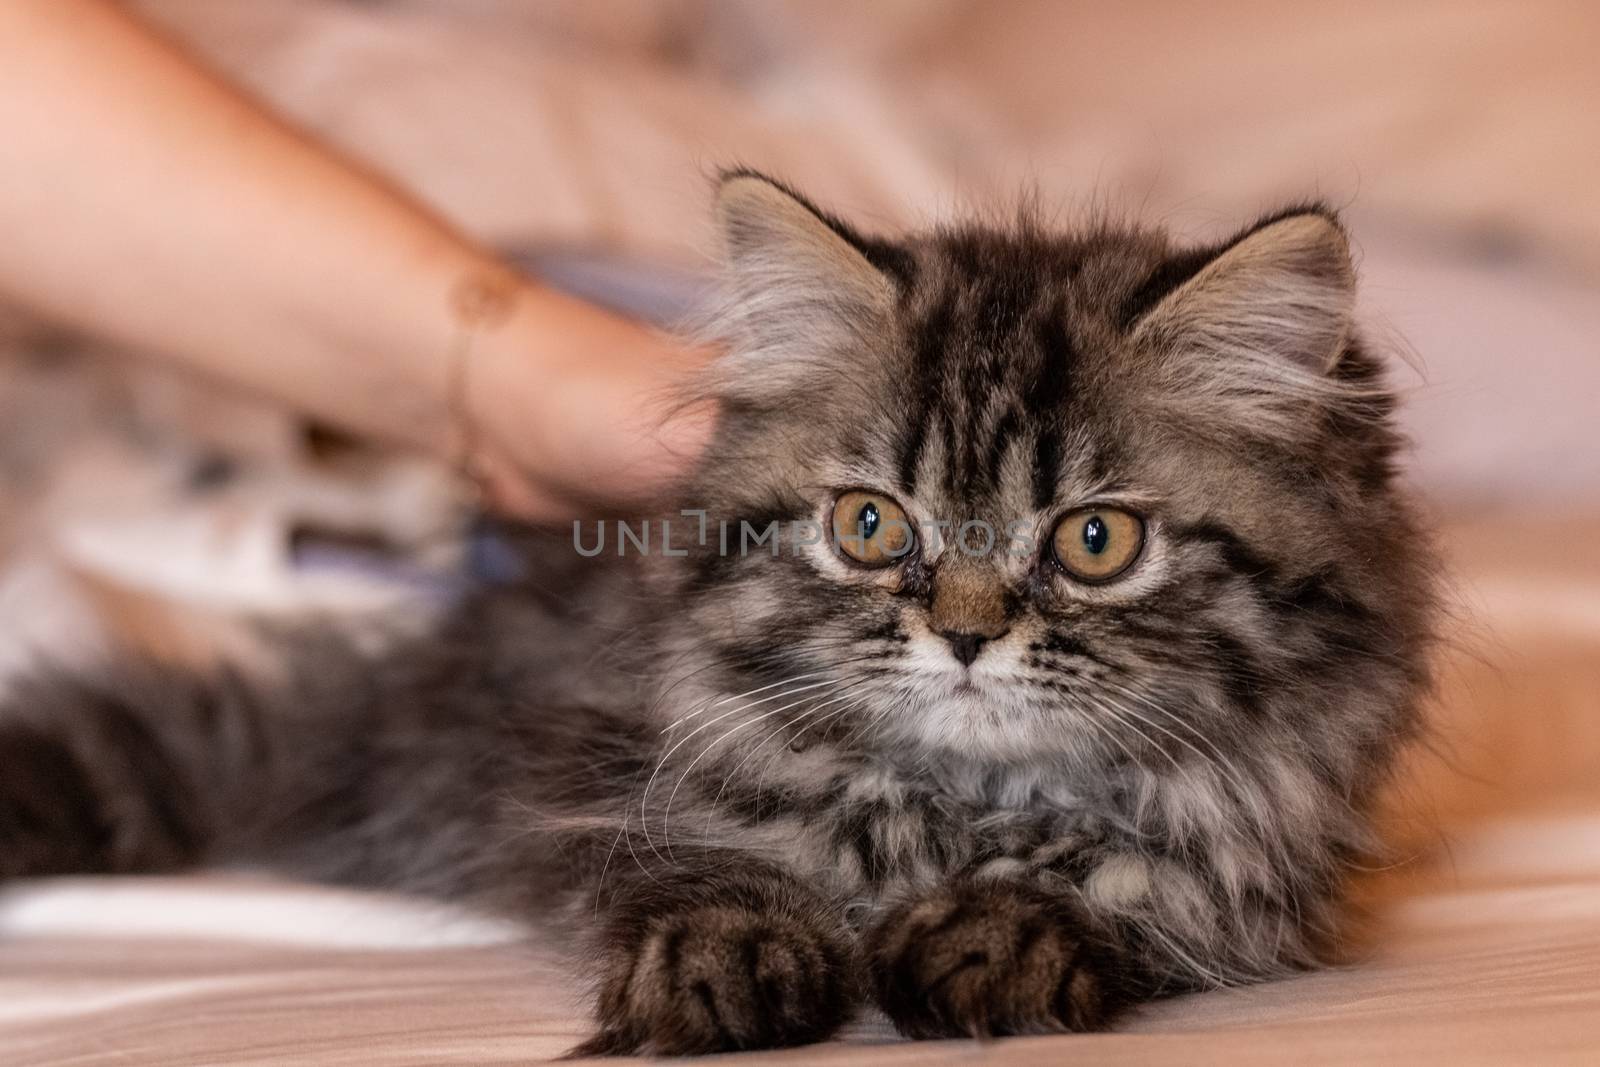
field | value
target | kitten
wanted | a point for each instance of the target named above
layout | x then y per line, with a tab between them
1106	734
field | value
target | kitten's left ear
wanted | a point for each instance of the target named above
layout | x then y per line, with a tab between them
800	291
778	242
1282	295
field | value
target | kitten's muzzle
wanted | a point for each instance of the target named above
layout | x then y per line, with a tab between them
966	644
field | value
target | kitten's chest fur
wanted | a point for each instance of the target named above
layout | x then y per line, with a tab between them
869	827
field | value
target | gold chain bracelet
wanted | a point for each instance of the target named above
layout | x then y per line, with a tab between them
478	302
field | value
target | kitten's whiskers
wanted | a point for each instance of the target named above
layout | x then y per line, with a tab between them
666	813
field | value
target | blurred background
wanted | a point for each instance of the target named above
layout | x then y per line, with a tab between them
1459	137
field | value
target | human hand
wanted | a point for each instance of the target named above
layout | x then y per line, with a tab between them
268	262
568	409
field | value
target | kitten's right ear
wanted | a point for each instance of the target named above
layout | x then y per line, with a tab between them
1250	340
1282	295
798	279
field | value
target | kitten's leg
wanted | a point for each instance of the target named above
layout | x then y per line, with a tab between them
981	958
720	952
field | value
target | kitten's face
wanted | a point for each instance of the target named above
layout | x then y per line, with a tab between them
1042	497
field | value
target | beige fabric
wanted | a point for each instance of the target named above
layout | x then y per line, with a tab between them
1481	945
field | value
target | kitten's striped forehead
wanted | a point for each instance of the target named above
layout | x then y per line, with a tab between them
996	334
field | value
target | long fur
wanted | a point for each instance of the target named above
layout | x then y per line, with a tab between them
756	787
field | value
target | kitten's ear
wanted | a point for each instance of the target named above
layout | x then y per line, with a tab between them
775	239
1282	297
799	287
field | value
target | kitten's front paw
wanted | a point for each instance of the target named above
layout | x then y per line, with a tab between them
717	978
981	959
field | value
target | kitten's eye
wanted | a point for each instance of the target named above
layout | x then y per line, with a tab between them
1097	544
871	528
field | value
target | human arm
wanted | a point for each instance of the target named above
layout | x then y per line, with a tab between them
145	200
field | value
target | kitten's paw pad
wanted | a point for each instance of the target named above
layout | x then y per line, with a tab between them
985	959
722	978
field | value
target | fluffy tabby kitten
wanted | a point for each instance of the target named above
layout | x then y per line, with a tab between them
1122	752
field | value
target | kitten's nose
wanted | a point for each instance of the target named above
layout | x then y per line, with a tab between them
965	645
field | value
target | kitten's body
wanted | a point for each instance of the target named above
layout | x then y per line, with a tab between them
757	787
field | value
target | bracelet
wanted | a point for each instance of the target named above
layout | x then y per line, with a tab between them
480	301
